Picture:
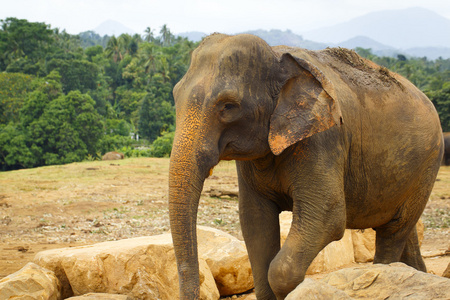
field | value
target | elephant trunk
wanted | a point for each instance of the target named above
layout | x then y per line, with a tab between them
187	174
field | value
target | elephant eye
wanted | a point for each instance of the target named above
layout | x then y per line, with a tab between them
228	100
229	106
229	111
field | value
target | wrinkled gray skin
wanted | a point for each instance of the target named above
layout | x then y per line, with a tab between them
446	159
334	138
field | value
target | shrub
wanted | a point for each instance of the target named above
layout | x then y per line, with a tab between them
162	146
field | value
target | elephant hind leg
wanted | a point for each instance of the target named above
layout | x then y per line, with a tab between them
411	253
397	241
400	246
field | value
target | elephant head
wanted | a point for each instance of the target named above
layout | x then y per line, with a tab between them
239	100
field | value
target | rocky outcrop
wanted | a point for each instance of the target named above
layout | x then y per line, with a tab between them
363	245
394	281
100	296
446	273
335	255
112	156
355	246
144	268
31	282
228	260
317	290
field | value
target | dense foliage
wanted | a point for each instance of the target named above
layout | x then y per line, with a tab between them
67	98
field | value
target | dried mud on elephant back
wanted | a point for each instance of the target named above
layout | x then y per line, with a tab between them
367	67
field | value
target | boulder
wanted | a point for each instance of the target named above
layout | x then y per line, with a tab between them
394	281
143	268
363	245
447	272
31	282
112	156
335	255
312	289
100	296
364	242
228	260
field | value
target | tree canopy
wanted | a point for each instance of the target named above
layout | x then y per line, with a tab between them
66	98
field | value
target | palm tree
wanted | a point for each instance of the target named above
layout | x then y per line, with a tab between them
113	49
164	68
149	56
124	41
148	36
166	36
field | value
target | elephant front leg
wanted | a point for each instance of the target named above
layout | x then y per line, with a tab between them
261	231
311	230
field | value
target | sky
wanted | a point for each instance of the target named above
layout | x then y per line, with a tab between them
231	16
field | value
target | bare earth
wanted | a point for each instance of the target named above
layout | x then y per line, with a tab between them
91	202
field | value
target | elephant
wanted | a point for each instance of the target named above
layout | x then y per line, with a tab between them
334	138
446	158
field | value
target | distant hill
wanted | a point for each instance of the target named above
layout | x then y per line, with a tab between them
363	42
111	28
376	48
429	52
412	32
402	29
277	37
194	36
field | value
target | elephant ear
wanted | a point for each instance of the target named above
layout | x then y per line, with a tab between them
306	104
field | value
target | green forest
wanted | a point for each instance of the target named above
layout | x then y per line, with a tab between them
67	98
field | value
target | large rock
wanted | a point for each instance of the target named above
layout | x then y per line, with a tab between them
112	156
31	282
144	268
394	281
338	253
317	290
335	255
364	245
447	272
228	260
100	296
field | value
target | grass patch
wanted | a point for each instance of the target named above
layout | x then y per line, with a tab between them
436	218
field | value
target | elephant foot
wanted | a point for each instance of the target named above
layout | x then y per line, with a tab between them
285	276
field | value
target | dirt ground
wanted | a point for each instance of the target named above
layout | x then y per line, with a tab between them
90	202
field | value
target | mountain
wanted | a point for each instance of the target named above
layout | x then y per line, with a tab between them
376	48
429	52
194	36
111	28
403	29
363	42
276	37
